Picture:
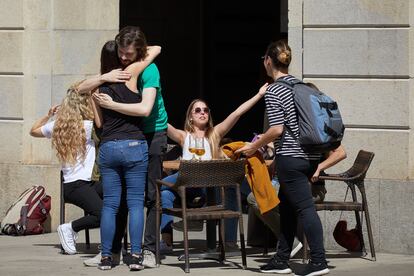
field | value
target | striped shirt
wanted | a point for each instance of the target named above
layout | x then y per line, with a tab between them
281	110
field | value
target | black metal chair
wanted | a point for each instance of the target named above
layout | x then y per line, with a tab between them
205	174
354	177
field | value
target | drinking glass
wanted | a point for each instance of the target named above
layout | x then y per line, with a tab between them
192	146
199	147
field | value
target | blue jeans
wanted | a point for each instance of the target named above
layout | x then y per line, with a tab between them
127	160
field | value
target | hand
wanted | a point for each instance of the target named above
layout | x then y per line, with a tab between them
247	150
103	100
315	176
53	110
116	75
263	89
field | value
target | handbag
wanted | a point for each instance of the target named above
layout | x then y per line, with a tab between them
349	239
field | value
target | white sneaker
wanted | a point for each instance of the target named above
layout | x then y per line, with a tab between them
67	238
149	259
94	261
164	248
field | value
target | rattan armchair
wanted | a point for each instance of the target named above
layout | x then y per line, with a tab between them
354	177
205	174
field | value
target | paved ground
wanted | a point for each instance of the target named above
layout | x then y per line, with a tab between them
39	255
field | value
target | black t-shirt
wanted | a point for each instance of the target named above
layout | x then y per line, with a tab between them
117	126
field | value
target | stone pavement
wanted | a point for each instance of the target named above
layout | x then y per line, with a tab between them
39	255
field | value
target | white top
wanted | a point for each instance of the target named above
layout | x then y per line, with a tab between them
187	155
81	170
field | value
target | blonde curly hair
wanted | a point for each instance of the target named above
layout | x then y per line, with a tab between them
69	136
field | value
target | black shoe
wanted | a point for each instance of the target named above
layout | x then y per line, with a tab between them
314	269
276	266
136	263
105	264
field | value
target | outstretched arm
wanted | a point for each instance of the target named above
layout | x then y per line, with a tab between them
232	119
177	135
36	131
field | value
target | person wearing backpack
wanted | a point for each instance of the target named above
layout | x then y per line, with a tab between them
294	167
71	135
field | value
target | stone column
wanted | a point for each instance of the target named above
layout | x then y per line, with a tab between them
45	46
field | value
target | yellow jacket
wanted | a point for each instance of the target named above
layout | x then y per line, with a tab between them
258	177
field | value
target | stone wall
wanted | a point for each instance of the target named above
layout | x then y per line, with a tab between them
361	53
45	45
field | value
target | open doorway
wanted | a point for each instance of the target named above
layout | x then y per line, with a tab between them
211	50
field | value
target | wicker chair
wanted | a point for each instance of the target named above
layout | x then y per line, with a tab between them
205	174
354	177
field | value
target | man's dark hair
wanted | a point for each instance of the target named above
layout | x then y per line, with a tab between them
133	35
109	57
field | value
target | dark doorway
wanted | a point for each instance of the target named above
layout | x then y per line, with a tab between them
211	50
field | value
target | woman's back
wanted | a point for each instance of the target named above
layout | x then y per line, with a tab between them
117	126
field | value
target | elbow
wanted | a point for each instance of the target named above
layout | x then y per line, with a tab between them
32	133
146	112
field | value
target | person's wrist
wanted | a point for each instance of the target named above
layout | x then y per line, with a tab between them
103	78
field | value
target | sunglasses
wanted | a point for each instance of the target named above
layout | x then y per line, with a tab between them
204	109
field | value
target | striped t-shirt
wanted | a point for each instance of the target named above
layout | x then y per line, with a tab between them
281	111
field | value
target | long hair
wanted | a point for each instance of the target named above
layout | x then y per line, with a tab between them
280	54
211	135
109	57
69	136
133	35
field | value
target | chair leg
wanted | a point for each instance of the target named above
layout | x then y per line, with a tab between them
62	209
368	221
186	255
222	240
358	221
87	237
242	245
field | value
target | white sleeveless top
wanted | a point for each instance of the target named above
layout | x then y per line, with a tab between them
187	155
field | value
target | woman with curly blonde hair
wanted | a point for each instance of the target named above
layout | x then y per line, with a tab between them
71	135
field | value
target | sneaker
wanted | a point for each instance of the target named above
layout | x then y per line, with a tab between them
149	259
67	238
105	264
165	248
136	263
275	266
93	262
296	249
192	225
314	269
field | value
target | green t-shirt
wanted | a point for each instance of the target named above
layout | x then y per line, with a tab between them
158	118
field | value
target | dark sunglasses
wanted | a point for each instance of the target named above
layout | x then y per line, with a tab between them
198	110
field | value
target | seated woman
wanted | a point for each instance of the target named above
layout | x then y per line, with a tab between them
71	135
199	124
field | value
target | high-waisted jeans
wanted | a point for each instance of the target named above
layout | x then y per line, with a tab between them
128	160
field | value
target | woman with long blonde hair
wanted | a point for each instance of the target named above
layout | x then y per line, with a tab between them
199	124
71	134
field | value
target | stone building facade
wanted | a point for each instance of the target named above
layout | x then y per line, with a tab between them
359	51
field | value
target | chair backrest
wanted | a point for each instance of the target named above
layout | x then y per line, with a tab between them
212	173
360	167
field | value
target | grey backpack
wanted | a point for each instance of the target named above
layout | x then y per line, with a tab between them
320	122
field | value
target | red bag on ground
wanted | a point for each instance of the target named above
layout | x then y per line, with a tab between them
348	239
28	213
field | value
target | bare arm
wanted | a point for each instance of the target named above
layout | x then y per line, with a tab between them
232	119
35	131
143	108
177	135
116	75
269	136
334	157
97	114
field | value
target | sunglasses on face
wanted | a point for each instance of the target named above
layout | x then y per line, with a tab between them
199	109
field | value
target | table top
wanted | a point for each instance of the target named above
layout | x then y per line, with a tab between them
175	164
